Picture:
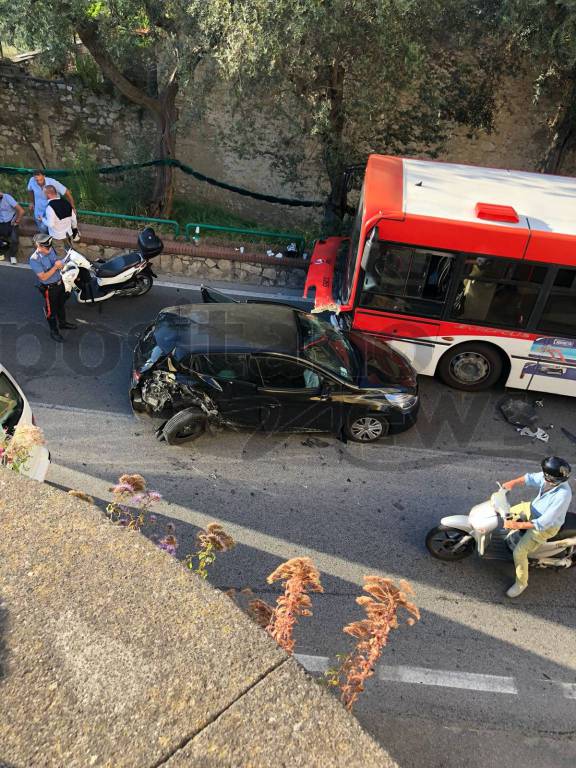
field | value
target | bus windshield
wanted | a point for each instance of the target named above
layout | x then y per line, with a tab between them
352	254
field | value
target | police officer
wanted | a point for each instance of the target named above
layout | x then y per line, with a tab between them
46	265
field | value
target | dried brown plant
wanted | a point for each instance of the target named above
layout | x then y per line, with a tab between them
261	612
216	537
300	576
81	495
381	608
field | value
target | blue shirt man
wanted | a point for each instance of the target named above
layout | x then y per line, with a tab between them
10	215
549	508
547	514
38	200
8	208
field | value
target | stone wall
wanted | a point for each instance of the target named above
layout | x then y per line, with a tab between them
285	272
44	119
41	118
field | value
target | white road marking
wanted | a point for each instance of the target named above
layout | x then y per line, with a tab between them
313	663
444	678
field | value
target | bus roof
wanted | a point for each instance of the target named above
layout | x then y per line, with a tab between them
399	187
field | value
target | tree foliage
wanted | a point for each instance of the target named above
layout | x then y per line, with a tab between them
364	75
166	39
543	32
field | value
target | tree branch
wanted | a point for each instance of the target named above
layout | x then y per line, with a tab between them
88	34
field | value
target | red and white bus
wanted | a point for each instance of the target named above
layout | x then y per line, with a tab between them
470	272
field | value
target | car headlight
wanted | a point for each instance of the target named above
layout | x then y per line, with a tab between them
402	400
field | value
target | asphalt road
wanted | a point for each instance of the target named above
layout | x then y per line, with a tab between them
479	679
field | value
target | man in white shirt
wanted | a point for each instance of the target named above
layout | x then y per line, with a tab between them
60	220
36	185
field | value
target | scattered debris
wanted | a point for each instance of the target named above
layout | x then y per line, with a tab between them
539	434
313	442
518	412
539	403
569	435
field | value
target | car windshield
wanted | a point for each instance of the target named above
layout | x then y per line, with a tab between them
325	346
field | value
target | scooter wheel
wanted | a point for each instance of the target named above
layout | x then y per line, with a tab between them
442	541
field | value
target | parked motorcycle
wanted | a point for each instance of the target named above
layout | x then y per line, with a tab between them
458	536
128	274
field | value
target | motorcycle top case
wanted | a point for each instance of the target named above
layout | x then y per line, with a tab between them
149	244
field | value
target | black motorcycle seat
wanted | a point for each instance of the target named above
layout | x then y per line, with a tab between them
568	530
118	264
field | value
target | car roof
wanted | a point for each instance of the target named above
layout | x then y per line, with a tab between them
227	327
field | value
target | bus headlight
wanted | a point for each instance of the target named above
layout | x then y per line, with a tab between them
402	400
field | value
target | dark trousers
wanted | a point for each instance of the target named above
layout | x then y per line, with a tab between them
11	232
54	300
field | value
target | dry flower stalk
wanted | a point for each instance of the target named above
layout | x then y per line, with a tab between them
213	539
300	576
381	609
81	495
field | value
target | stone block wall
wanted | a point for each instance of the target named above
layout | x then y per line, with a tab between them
284	272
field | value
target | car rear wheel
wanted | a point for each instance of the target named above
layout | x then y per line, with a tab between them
185	426
471	367
366	428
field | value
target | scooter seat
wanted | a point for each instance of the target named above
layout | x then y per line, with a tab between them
568	530
118	264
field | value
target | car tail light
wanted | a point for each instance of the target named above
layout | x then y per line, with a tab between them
136	376
34	420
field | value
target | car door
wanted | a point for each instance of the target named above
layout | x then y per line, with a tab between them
236	392
298	397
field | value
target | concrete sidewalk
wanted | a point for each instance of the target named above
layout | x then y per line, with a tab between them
112	654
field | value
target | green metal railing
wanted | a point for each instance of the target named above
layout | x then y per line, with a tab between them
193	230
197	228
126	217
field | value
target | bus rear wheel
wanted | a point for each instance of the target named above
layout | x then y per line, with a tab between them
471	367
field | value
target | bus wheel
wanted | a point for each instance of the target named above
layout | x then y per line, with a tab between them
472	367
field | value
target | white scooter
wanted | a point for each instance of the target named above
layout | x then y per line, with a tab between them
458	536
128	274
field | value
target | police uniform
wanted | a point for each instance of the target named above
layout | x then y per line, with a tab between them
53	292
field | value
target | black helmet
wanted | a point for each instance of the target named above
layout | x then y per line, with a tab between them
555	470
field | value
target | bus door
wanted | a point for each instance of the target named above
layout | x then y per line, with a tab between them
401	295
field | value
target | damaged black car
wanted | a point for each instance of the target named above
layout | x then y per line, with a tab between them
268	367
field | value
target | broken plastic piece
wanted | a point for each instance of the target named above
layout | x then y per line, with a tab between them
539	434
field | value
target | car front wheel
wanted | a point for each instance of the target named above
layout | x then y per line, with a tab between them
184	426
366	428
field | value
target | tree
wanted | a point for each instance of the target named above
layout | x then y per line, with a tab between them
173	36
365	75
543	32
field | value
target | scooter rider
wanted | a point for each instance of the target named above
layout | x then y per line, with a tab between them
548	513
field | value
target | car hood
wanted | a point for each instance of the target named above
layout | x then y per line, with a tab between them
381	365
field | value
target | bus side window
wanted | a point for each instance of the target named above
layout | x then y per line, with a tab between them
405	279
559	313
498	292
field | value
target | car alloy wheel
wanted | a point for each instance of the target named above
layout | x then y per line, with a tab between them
366	429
